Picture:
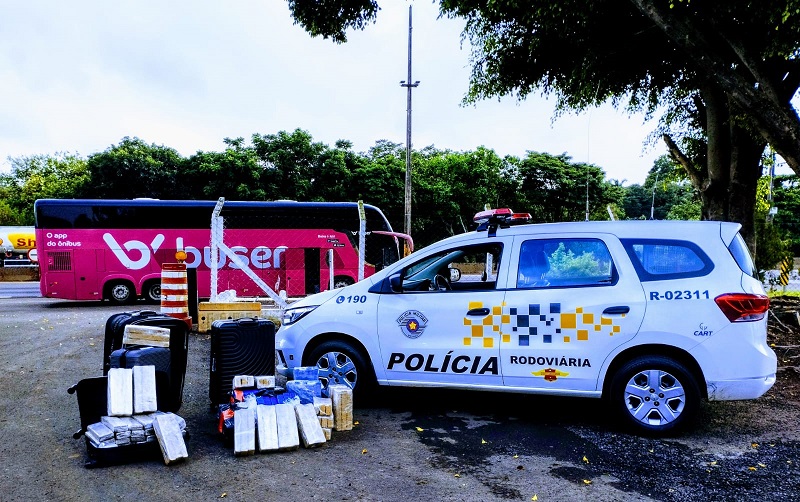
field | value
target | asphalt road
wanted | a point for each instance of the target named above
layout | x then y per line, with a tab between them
409	445
19	290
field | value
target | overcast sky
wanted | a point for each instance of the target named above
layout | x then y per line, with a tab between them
79	76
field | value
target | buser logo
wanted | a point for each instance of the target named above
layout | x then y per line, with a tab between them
136	255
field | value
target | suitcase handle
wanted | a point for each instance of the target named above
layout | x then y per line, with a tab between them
247	321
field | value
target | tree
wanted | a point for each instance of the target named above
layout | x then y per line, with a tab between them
234	174
749	51
380	179
552	188
291	162
666	194
7	215
133	169
450	187
56	176
332	181
786	196
738	58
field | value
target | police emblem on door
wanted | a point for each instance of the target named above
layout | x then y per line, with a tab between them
412	323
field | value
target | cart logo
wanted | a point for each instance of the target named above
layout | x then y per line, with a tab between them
412	323
550	374
703	331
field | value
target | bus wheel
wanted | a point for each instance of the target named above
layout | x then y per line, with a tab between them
152	292
342	281
121	293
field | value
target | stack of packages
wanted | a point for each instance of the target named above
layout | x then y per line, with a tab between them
265	418
133	417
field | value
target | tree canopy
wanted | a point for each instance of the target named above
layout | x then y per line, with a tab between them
449	187
726	71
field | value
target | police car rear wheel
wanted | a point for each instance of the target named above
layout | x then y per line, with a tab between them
655	394
340	363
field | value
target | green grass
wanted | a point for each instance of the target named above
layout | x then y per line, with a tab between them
778	293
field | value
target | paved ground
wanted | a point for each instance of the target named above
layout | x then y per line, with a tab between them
410	445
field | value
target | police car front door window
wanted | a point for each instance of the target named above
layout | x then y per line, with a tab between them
464	269
564	263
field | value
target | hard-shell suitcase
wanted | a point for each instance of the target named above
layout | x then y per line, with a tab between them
92	397
239	347
178	347
160	357
115	329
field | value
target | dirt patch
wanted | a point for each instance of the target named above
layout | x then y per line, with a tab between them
783	335
19	274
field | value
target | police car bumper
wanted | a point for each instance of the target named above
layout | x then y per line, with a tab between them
730	390
281	365
283	370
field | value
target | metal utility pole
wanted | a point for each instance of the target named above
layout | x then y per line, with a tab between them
408	85
653	203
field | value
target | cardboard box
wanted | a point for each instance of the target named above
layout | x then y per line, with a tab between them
208	312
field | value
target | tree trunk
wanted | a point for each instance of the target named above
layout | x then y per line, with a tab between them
714	192
745	172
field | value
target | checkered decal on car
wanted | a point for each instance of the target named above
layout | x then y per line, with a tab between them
536	322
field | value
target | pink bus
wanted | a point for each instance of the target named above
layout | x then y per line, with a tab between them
113	249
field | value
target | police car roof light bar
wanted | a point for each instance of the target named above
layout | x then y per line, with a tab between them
502	217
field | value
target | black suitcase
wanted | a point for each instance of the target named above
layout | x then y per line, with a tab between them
92	394
178	347
239	347
160	357
115	329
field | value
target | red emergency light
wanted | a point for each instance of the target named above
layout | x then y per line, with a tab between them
502	217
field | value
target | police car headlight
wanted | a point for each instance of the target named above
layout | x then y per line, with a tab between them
291	316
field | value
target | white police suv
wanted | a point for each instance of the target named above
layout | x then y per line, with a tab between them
652	315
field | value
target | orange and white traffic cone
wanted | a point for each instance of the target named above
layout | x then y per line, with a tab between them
175	292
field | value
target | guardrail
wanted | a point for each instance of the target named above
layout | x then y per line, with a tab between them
18	262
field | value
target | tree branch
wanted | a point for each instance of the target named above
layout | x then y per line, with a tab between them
695	175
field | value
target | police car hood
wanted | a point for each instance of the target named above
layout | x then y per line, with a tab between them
320	298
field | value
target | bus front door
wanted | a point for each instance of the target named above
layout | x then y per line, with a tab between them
302	271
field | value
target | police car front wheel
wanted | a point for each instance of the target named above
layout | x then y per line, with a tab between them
655	394
339	362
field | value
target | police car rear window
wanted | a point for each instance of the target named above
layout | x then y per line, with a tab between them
661	260
741	254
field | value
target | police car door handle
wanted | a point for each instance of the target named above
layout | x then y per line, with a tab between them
620	309
478	312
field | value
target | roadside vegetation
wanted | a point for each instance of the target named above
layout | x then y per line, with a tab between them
449	187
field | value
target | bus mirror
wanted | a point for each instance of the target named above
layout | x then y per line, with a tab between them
396	282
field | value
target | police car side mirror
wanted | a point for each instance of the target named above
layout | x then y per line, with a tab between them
396	282
455	274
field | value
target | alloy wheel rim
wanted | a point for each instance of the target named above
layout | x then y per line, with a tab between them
654	397
337	368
